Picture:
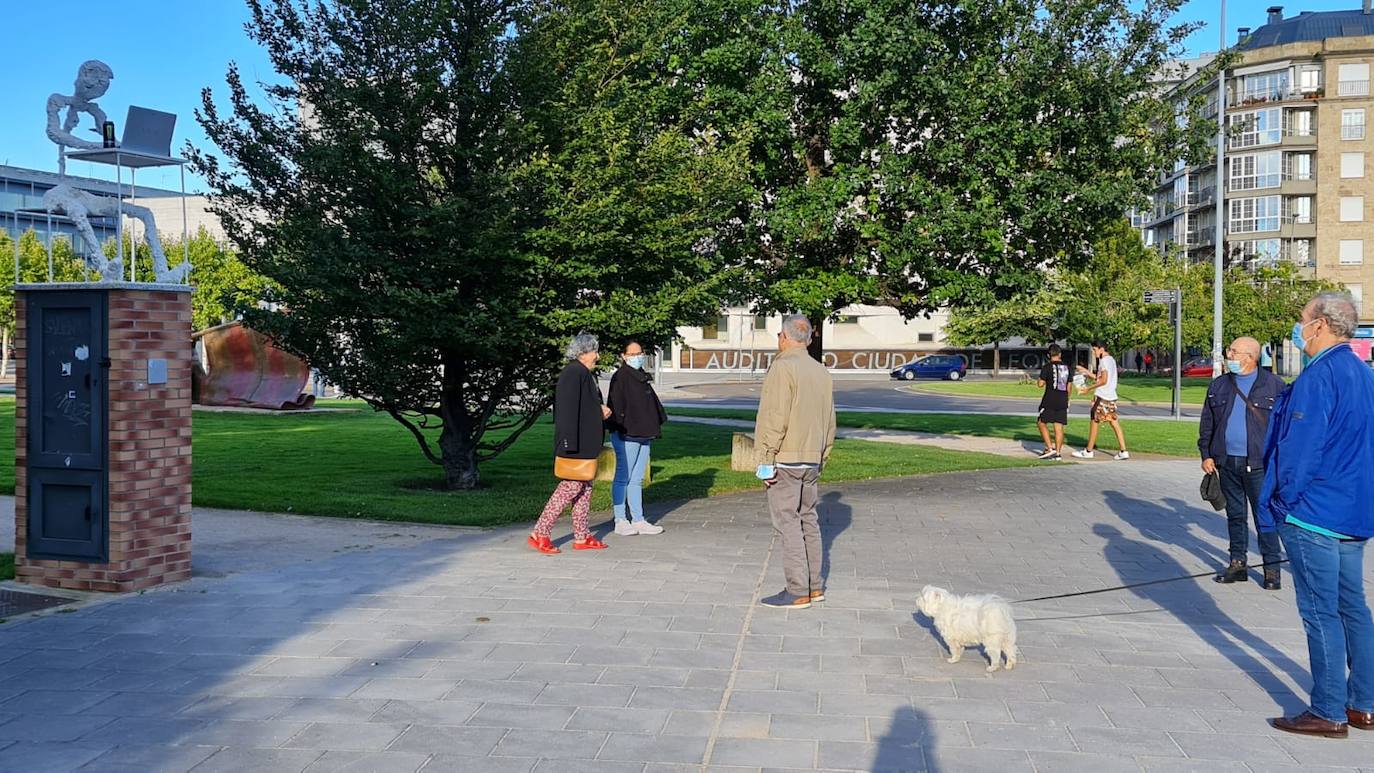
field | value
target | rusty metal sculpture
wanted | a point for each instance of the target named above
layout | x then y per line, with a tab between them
240	367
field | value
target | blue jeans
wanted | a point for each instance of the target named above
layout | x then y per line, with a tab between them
627	489
1242	488
1328	578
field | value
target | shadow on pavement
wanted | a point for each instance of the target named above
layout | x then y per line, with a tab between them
835	518
908	745
1139	561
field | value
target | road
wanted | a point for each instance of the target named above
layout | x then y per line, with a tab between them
879	394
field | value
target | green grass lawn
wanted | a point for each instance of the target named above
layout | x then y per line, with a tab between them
1132	389
6	566
1170	438
356	463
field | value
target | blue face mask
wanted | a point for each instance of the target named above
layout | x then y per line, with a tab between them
1233	366
635	361
1298	340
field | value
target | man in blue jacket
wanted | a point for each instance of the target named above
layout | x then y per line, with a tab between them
1319	495
1235	418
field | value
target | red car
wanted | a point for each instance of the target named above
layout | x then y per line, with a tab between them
1198	367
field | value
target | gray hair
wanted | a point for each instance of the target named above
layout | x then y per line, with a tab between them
581	344
1338	309
797	328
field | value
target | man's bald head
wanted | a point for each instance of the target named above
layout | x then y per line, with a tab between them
1246	351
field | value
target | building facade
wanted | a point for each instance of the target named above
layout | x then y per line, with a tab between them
1298	157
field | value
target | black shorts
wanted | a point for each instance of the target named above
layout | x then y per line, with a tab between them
1054	415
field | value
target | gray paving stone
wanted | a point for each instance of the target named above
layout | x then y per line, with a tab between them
404	689
625	720
732	724
1215	746
53	701
361	737
1082	762
510	715
634	747
585	695
676	698
886	757
1134	742
49	756
149	731
774	701
242	759
1023	737
142	759
51	728
440	740
368	762
760	752
221	708
821	728
455	763
551	744
586	766
331	710
978	760
423	712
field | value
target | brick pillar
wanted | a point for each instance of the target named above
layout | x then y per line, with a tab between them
149	447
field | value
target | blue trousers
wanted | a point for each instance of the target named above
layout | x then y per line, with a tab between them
1328	579
627	489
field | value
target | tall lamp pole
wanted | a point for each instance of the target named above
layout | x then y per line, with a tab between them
1221	204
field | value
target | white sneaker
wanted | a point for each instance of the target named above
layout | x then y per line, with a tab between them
625	529
1121	456
644	527
1083	454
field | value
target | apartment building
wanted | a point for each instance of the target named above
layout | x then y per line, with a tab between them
1299	156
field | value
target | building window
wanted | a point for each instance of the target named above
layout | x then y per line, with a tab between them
1257	170
1300	252
1254	215
1357	295
1309	78
1352	165
1352	124
1264	87
720	331
1352	252
1299	209
925	338
760	322
1297	123
1298	166
846	319
1261	127
1260	252
1353	80
1352	209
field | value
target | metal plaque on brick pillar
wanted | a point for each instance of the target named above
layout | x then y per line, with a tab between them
67	430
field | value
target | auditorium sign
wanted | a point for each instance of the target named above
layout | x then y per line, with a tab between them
856	359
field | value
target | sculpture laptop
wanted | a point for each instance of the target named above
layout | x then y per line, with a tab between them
149	132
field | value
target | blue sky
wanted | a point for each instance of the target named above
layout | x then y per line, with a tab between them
163	52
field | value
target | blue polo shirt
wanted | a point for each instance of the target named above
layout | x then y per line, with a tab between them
1235	420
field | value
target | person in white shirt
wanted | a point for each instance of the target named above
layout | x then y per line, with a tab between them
1104	402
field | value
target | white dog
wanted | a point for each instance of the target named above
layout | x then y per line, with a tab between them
969	620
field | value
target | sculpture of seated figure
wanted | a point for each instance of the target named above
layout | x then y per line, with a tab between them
92	81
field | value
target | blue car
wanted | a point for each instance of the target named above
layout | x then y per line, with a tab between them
941	366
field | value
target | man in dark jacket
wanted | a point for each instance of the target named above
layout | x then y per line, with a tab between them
1235	418
1319	495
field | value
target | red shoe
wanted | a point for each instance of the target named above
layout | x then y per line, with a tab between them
542	544
589	543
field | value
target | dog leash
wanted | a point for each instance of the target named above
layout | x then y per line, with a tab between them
1140	584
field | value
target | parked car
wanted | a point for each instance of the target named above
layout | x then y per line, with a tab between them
1198	367
942	366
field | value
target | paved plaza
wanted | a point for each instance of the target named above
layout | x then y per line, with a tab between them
321	645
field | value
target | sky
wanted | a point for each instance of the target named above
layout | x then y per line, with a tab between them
163	52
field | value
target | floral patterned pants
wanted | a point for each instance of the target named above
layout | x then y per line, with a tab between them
579	495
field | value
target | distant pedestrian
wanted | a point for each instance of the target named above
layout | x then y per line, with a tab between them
1235	419
1319	494
578	434
1267	358
1104	403
1054	404
1139	362
793	435
637	418
1149	362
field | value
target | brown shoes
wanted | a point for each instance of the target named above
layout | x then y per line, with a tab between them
1363	720
1308	723
1235	572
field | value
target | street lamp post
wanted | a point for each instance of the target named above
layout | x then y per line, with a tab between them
1221	203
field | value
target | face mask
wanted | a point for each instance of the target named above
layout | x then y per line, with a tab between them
1233	366
1298	340
635	361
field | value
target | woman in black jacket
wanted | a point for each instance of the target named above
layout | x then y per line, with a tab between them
578	433
636	419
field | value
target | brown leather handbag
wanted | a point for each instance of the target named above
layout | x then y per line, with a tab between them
574	469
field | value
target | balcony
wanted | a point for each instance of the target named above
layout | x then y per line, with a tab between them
1250	98
1202	237
1352	89
1202	197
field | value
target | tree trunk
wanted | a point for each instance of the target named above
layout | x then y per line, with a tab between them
457	446
817	346
996	359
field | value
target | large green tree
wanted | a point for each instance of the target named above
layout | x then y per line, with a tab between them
948	152
441	191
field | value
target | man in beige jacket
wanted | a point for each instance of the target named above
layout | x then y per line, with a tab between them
793	435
